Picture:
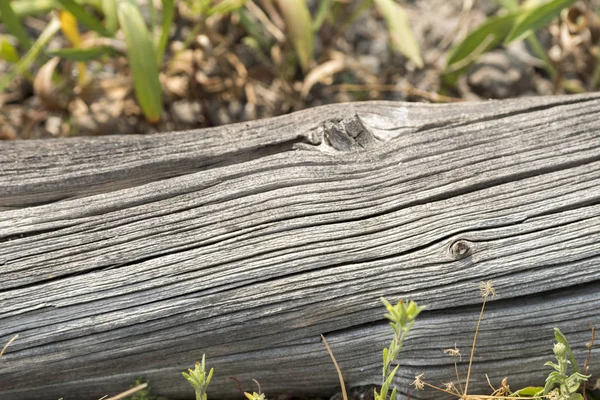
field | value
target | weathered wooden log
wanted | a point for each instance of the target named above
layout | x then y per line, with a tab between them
125	257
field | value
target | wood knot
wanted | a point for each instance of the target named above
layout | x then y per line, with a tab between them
348	134
460	249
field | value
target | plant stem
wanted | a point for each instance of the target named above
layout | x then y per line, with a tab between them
473	347
536	46
32	54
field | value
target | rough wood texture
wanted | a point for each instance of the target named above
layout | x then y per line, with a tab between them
132	256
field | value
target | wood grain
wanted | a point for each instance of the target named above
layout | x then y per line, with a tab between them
125	257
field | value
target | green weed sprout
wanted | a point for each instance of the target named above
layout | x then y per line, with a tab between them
559	385
198	379
255	396
402	317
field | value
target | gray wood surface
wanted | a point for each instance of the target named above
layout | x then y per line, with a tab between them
125	257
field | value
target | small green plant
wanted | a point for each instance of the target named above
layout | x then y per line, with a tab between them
559	385
402	316
300	26
486	289
514	22
401	34
255	396
144	49
199	379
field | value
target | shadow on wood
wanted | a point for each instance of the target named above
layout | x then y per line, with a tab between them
127	257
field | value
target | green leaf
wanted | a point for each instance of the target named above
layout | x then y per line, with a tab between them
210	374
109	8
362	7
561	338
33	53
384	389
527	4
549	385
553	365
168	13
323	11
84	17
393	373
394	393
385	356
37	7
481	40
299	26
13	24
256	31
529	391
82	54
413	311
225	7
8	51
386	303
401	34
142	60
536	17
510	5
574	381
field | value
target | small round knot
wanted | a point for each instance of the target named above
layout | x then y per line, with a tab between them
460	249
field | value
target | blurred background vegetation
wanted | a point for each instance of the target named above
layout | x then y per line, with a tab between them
93	67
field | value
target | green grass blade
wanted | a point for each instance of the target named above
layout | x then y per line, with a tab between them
299	26
225	7
168	13
10	54
111	20
358	10
323	11
403	39
260	39
152	20
537	17
510	5
30	8
142	60
13	24
482	39
84	17
82	54
32	54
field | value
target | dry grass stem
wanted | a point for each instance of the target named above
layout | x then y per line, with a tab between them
337	367
262	17
455	352
7	344
485	289
129	392
586	365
